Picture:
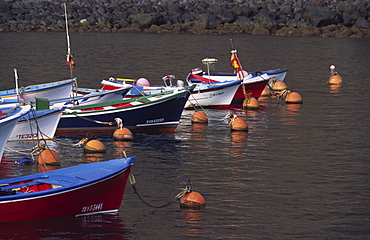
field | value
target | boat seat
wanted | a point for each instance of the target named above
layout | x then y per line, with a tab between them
18	186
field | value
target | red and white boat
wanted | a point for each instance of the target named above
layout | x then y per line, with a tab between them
79	190
252	84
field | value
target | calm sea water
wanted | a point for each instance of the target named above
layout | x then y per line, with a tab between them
302	171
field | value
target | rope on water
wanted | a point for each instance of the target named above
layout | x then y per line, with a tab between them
176	198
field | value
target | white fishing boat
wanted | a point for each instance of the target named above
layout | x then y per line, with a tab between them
205	94
37	125
8	121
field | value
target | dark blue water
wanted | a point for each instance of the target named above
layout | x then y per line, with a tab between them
301	171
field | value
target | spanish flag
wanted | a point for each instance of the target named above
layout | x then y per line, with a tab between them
235	63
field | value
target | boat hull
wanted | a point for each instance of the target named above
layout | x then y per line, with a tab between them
8	123
254	89
42	127
54	90
275	75
104	194
161	114
214	97
207	95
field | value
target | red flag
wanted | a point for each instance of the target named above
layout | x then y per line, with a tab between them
235	63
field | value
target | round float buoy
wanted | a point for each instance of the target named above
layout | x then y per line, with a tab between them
294	97
48	157
239	124
335	80
250	103
279	86
122	134
143	82
192	200
94	146
199	117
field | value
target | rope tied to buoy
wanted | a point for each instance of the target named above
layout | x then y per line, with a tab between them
119	123
282	95
229	118
187	189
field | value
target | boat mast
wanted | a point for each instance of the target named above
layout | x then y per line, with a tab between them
69	56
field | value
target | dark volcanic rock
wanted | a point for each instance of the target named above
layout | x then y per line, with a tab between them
280	17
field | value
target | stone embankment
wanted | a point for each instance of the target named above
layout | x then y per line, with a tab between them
324	18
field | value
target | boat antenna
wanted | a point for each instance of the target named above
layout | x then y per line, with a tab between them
232	44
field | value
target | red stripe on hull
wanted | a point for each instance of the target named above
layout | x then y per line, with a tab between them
254	88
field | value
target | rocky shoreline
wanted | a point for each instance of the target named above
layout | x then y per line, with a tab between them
321	18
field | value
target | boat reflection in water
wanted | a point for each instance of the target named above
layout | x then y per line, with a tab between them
97	226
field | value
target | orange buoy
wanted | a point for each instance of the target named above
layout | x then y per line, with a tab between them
192	200
122	134
199	117
279	86
239	124
94	146
335	80
266	92
48	157
294	97
250	103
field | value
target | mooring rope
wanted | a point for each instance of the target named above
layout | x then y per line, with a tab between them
176	198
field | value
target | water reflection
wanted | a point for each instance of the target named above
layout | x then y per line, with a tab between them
98	226
46	168
122	147
335	89
291	113
93	157
238	143
198	130
194	222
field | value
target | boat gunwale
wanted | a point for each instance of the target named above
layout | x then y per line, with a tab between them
82	183
144	99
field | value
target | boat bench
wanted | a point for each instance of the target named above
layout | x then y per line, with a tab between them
17	187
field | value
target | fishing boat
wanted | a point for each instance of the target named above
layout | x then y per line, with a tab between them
79	190
206	94
88	96
158	112
8	120
252	86
37	125
51	90
277	75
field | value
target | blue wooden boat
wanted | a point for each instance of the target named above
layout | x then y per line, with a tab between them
79	190
158	112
